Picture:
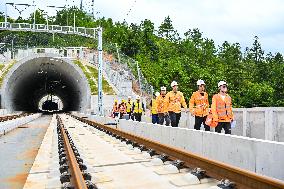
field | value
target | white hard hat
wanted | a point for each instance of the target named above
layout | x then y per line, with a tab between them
129	96
174	83
157	94
163	88
222	83
200	82
137	97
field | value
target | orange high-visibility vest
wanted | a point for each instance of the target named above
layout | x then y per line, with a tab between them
122	108
198	104
222	110
174	101
161	107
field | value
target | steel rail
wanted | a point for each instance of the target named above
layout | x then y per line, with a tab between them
244	179
76	175
10	117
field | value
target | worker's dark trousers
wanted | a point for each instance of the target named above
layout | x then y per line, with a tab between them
138	116
199	121
175	117
115	114
121	115
155	118
223	125
162	118
130	115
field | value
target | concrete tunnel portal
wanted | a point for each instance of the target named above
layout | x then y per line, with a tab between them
35	77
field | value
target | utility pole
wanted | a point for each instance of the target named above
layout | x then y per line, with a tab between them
81	5
117	52
67	12
93	9
67	19
47	20
5	15
46	14
139	77
13	47
74	21
34	13
100	57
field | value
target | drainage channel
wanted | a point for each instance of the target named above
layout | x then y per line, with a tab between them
198	169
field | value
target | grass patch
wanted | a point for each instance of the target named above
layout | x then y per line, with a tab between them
107	89
2	66
6	71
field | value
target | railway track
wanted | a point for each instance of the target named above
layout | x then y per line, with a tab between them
14	116
72	167
230	177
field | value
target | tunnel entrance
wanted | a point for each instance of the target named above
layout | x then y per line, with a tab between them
33	78
50	103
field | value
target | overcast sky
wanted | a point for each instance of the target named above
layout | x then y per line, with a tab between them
220	20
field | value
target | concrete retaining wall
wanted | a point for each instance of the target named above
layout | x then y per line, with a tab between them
260	156
9	125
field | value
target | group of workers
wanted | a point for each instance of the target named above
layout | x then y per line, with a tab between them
128	109
166	107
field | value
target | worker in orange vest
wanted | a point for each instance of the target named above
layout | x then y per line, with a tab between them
198	106
163	113
122	109
115	110
174	101
221	108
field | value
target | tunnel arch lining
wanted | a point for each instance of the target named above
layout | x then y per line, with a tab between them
58	69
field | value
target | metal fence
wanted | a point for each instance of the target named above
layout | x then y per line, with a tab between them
140	84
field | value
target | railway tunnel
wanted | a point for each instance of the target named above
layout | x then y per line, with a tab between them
35	77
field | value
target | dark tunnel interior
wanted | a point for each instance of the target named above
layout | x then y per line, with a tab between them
39	77
34	86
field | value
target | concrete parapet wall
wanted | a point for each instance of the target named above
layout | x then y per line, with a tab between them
10	125
262	123
260	156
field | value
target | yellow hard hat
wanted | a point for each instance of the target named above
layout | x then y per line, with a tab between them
115	100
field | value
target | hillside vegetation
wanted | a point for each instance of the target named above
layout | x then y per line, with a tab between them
254	76
92	75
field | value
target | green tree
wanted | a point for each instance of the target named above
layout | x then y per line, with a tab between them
166	30
39	17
